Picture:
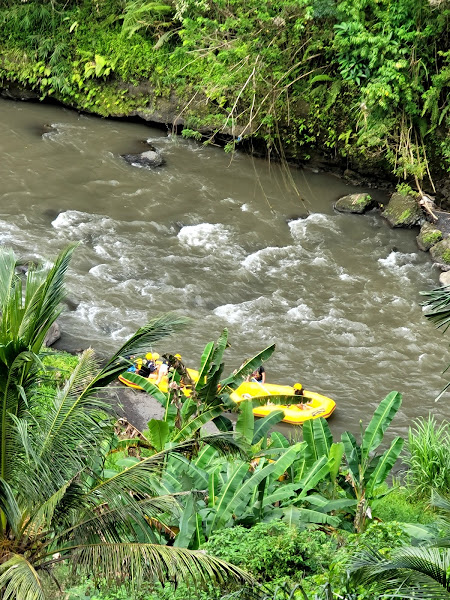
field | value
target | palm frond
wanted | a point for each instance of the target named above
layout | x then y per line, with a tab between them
44	306
413	572
71	418
19	580
102	523
8	277
438	305
152	561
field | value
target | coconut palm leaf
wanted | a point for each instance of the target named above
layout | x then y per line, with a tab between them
151	561
411	573
438	305
44	305
250	365
19	580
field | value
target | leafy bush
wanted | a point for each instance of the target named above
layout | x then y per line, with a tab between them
107	591
273	550
58	368
428	457
400	505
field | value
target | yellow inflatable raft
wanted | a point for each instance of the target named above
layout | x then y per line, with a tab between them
303	408
163	384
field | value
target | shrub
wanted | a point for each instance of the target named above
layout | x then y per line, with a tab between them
58	368
428	458
400	505
273	550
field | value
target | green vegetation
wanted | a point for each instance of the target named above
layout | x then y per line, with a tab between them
432	238
428	457
173	513
359	79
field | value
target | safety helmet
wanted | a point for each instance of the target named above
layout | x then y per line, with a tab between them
155	356
298	386
149	356
178	356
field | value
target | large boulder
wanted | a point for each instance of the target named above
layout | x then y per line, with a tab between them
429	235
52	335
444	278
355	203
440	254
402	211
148	159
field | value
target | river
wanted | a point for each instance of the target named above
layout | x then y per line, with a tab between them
224	241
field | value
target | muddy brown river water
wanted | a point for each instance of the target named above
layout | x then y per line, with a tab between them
223	241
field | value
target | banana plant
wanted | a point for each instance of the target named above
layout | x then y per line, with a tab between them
244	491
366	471
363	472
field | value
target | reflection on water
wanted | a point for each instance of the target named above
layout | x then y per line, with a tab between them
224	242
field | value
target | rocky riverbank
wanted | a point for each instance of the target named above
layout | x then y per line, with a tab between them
410	210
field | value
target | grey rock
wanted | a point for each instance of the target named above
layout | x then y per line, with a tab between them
53	335
147	159
429	235
444	278
440	254
403	211
355	203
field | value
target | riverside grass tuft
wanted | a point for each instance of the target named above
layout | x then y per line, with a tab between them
428	458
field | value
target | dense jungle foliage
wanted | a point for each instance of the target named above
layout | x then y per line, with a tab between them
91	507
363	80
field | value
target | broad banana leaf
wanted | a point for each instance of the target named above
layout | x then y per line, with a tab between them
221	346
148	386
188	524
191	427
294	515
317	435
316	473
206	457
158	433
284	492
241	494
326	505
223	424
246	421
238	376
263	425
381	420
204	365
336	453
235	479
385	462
278	440
352	454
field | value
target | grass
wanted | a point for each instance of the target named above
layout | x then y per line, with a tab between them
428	458
402	506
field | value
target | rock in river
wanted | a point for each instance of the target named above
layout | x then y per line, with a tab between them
355	203
148	159
402	211
52	335
429	235
440	253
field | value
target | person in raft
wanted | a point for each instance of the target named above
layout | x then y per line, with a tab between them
148	365
259	375
162	370
298	391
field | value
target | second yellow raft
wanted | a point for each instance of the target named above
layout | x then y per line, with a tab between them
310	405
